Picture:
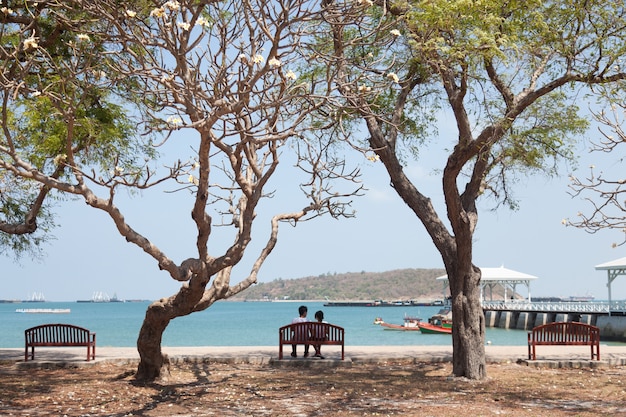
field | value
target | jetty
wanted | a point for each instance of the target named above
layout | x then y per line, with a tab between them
512	312
610	318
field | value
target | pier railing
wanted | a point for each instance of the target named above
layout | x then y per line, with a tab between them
567	307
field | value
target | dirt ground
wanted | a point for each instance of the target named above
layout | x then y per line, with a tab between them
387	389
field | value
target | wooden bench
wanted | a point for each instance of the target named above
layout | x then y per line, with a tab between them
59	335
565	333
310	333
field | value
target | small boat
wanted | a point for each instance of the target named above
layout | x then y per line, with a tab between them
379	320
440	323
428	328
410	323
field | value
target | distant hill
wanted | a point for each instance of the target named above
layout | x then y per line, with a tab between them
400	284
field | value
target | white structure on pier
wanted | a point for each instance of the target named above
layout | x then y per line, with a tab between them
614	269
491	277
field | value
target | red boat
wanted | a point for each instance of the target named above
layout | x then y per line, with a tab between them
429	328
440	323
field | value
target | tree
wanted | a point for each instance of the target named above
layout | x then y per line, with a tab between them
604	193
509	72
91	89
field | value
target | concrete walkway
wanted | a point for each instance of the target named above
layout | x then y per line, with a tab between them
552	356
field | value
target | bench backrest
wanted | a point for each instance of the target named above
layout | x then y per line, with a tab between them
310	331
57	333
566	332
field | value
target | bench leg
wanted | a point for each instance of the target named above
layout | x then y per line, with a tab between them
30	355
531	351
595	352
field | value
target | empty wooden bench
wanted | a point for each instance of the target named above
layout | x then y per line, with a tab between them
565	333
310	333
58	335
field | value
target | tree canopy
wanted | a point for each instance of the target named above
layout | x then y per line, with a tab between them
53	87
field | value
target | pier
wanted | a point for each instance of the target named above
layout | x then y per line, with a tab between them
614	308
610	317
511	312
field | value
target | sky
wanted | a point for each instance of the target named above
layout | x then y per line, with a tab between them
88	255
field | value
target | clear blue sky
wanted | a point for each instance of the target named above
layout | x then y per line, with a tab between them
88	254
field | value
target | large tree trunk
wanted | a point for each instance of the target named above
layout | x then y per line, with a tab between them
153	364
468	333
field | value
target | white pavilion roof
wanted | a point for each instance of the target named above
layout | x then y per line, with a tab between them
500	274
616	264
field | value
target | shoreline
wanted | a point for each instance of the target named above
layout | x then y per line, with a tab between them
555	356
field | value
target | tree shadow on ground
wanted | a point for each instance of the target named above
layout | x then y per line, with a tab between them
210	388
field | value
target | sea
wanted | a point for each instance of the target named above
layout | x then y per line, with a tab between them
230	323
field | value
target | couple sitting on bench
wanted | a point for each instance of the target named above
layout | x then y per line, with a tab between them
320	333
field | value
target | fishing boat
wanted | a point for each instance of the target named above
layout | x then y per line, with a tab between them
410	323
428	328
440	323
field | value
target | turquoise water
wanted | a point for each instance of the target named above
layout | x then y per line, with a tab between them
230	324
